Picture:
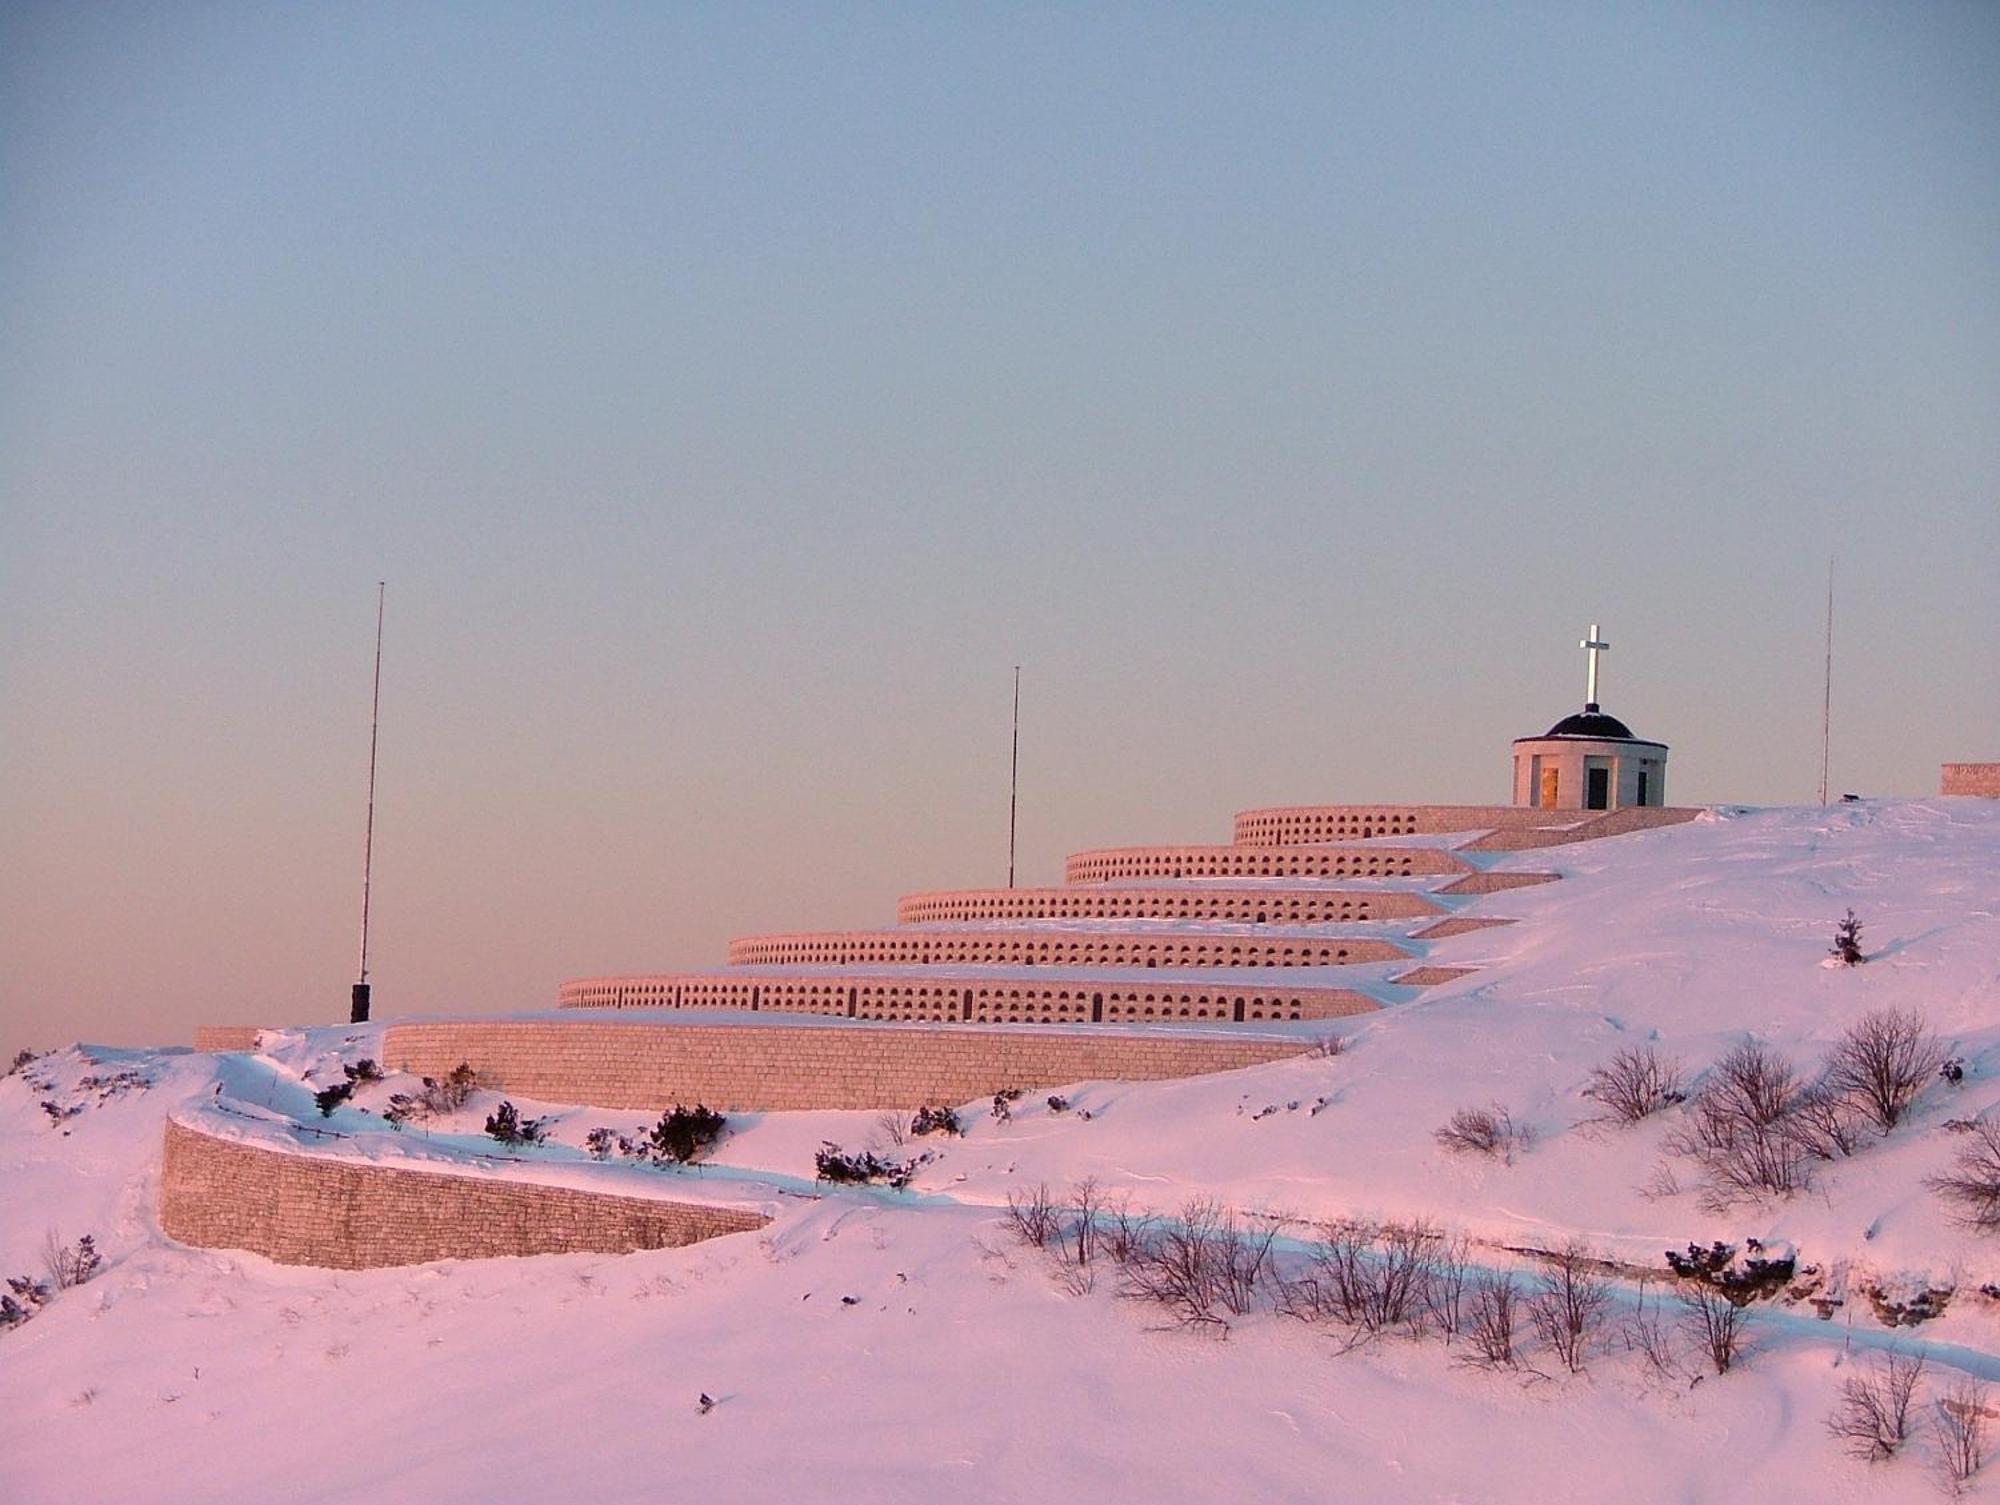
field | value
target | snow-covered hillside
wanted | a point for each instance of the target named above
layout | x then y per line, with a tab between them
905	1346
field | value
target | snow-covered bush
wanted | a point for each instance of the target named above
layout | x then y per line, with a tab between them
1883	1061
505	1124
936	1121
834	1164
1872	1415
1972	1184
1003	1103
1201	1260
1484	1131
1637	1083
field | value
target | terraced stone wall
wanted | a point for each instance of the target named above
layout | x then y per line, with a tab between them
318	1210
758	1067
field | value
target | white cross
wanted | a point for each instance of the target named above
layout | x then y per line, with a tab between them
1595	647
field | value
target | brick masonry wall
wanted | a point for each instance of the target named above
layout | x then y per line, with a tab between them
317	1210
1982	779
224	1037
753	1067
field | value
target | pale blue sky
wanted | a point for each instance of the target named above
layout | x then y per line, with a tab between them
732	394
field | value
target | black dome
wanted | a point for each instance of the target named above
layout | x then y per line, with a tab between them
1591	722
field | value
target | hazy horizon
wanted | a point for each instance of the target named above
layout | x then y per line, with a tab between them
731	397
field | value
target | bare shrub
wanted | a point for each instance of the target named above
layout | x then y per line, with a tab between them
1329	1045
1738	1127
1496	1301
1246	1256
1126	1233
1445	1286
1371	1278
1714	1322
1484	1131
1637	1083
1077	1238
1646	1332
1959	1422
1872	1416
1032	1215
1183	1268
1825	1123
69	1264
1973	1182
893	1127
1883	1061
1568	1303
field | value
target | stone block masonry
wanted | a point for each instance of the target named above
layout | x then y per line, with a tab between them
1982	779
302	1209
226	1037
756	1067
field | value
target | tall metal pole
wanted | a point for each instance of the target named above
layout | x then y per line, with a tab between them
1826	705
1014	778
359	1013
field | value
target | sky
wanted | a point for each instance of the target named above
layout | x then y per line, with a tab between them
732	395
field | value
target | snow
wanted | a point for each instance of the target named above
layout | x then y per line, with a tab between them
963	1366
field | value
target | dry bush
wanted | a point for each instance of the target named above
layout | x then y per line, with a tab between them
1495	1320
1033	1215
1883	1061
1959	1422
1077	1239
1126	1234
1825	1123
1873	1414
1247	1265
1328	1046
1484	1131
69	1264
1973	1182
1646	1332
1740	1127
1374	1278
893	1128
1637	1083
1445	1286
1184	1268
1568	1303
1714	1322
448	1094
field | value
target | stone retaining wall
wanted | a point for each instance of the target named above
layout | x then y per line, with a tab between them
301	1209
756	1067
945	999
1014	948
1241	906
1117	863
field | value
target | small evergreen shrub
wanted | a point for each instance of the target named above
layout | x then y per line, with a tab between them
1058	1104
363	1070
1757	1278
937	1121
682	1134
861	1168
505	1124
332	1097
1003	1103
600	1142
1847	942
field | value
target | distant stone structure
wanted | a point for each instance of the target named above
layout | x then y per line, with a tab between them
1589	761
1981	779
